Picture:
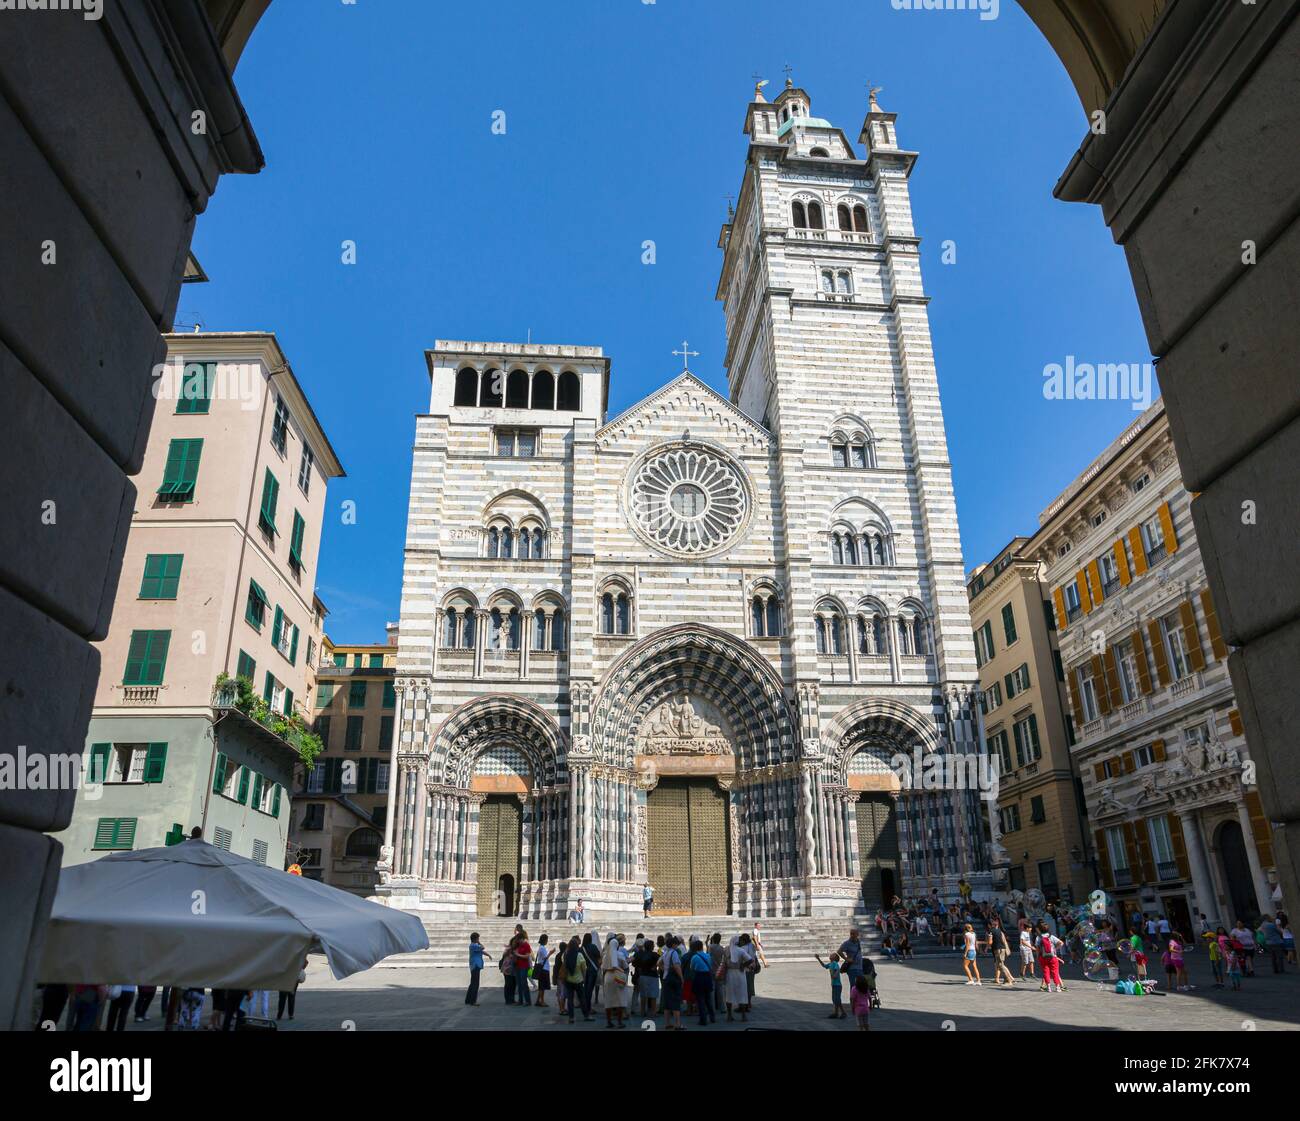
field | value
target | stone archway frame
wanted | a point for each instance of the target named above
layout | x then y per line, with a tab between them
498	718
699	660
879	717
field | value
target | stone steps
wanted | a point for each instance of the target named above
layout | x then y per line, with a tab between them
784	939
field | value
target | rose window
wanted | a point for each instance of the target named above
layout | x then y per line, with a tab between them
688	499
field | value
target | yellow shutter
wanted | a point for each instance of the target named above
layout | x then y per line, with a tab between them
1167	525
1217	646
1094	583
1058	601
1121	563
1130	765
1080	582
1139	552
1142	835
1099	772
1260	828
1103	858
1191	635
1076	704
1112	679
1099	685
1234	719
1180	845
1130	847
1158	750
1140	657
1158	652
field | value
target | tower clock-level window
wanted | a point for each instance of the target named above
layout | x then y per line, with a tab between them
517	443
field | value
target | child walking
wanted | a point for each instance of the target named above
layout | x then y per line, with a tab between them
1216	958
861	1001
1234	969
837	987
1049	962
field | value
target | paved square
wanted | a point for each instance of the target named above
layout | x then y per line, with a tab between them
927	994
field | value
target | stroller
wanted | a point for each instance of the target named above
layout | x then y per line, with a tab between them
869	972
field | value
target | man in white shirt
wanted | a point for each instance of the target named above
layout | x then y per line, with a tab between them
1026	952
1164	928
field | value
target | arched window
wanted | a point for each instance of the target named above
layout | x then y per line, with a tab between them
844	217
844	282
830	630
757	616
543	390
839	452
837	549
491	385
820	625
517	390
871	634
878	551
858	453
798	215
860	219
815	221
828	280
468	629
607	614
539	544
539	630
921	637
850	549
507	543
773	617
623	614
906	636
820	152
467	387
493	542
449	626
558	633
364	843
569	397
765	615
505	629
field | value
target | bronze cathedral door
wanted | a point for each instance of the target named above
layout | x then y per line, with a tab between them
500	820
878	849
689	858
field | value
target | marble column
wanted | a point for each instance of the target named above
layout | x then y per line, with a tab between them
1263	895
1206	903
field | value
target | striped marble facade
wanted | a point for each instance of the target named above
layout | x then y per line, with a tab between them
511	657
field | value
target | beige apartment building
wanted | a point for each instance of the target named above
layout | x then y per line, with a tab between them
340	807
218	577
1036	818
1177	826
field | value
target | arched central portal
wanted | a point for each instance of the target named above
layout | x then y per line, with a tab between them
685	745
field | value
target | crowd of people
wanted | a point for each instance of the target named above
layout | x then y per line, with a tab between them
668	975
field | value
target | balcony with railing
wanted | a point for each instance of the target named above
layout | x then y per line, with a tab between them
1167	870
141	694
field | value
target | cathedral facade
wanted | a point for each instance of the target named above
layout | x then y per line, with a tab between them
687	646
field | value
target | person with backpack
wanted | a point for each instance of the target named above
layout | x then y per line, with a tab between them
701	969
1244	943
1049	960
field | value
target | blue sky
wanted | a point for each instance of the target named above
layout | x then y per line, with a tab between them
623	123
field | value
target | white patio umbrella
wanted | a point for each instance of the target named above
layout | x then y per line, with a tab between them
193	915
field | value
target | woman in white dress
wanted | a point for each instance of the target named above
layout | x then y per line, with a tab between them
613	981
740	956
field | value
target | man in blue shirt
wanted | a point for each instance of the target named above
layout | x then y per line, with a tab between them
475	968
851	956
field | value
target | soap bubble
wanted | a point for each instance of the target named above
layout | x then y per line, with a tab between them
1095	965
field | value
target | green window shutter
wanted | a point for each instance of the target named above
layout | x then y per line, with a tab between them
246	666
105	832
390	695
268	690
181	472
324	694
135	658
98	771
275	801
155	764
243	786
196	389
257	791
293	646
162	576
288	702
295	540
275	629
175	835
357	695
156	665
340	659
257	604
270	493
219	774
125	833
